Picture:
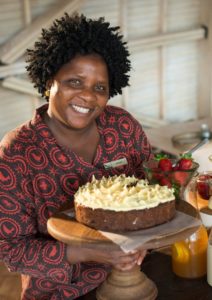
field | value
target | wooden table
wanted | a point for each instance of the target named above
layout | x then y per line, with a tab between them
161	137
157	266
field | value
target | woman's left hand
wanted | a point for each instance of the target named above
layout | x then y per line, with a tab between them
139	256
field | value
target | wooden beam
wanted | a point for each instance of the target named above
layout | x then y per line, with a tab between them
163	28
204	104
27	12
16	46
123	10
166	39
13	69
20	85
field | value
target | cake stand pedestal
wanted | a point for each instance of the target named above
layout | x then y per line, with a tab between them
127	285
119	285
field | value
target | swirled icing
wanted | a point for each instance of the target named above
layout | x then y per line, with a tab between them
122	193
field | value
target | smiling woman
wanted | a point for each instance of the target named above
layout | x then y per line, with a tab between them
77	65
78	94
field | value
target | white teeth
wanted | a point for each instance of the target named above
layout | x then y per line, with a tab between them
81	109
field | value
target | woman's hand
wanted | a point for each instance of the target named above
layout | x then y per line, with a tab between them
139	257
117	258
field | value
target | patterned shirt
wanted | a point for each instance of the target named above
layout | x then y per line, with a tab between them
37	178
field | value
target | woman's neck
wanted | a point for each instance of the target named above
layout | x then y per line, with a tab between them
82	141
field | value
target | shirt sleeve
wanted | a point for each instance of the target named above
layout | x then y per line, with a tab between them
22	247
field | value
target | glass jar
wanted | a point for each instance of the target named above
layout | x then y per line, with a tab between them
209	259
189	256
203	188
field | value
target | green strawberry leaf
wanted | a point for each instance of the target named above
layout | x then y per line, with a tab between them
186	156
159	156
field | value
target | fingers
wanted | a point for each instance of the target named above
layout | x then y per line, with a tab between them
118	258
141	257
130	260
127	263
125	267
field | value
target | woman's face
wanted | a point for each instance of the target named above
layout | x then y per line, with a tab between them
79	91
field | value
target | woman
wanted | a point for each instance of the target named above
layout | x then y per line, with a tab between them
77	65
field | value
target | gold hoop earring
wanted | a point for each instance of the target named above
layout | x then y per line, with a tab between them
47	93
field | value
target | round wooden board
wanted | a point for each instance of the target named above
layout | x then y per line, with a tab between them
65	228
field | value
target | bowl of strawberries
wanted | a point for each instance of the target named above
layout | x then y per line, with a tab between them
174	173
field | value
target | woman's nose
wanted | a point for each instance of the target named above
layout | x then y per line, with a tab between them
88	94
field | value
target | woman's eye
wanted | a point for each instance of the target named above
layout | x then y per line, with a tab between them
100	88
75	82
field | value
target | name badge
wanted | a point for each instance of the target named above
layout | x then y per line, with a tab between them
116	163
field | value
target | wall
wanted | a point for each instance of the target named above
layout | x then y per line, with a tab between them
167	46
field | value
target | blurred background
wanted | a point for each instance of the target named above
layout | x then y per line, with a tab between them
170	42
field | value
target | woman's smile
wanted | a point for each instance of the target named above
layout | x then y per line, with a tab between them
81	109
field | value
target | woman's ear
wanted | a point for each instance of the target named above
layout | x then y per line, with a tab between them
47	91
48	84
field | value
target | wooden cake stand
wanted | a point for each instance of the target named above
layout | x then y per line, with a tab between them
119	285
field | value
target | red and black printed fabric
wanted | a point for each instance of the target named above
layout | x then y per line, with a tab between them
37	178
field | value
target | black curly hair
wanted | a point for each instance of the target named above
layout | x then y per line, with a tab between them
73	35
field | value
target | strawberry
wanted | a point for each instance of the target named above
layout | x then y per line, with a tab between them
175	168
181	178
185	162
156	174
165	181
203	186
203	190
165	164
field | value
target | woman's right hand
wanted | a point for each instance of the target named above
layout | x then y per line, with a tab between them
116	258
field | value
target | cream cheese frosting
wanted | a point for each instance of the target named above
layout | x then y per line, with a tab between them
122	193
